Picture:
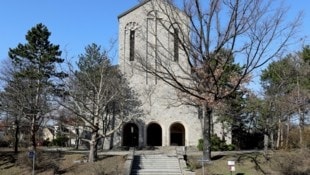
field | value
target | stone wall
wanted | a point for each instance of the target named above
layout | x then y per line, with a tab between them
162	104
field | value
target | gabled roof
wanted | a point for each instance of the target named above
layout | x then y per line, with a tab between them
139	5
133	8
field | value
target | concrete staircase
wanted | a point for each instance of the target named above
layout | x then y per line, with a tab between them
155	164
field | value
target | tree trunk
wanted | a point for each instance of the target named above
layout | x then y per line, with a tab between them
301	128
77	138
266	137
16	137
94	136
96	148
113	127
92	149
207	134
33	133
272	139
282	136
266	142
288	127
279	135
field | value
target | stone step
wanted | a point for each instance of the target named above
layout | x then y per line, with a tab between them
158	164
157	161
156	158
156	171
150	158
155	165
164	164
150	169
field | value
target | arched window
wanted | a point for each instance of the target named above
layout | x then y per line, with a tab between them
174	42
177	134
131	31
132	45
154	135
130	135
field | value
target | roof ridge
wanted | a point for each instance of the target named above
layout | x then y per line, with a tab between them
133	8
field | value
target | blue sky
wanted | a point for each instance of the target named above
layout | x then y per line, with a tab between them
76	23
73	23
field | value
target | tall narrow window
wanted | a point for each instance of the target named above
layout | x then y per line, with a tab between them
132	45
175	44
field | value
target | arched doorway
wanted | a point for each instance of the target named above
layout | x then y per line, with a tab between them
177	135
154	135
130	135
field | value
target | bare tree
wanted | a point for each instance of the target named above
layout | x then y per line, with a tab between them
97	94
212	47
11	99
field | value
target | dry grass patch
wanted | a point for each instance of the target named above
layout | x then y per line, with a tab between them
279	163
49	163
106	165
292	162
245	164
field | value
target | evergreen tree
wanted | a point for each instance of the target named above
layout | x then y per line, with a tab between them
287	82
306	53
36	67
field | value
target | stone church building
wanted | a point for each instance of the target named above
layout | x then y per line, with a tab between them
145	39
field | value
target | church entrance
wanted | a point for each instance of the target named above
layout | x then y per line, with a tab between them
130	135
177	135
154	135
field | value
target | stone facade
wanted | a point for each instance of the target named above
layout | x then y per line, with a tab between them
145	39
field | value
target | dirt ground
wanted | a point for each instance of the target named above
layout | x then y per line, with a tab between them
50	163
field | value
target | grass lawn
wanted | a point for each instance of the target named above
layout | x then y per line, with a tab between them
49	163
251	164
280	163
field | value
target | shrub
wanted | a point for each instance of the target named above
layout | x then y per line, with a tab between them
216	144
229	147
191	165
4	143
46	142
60	141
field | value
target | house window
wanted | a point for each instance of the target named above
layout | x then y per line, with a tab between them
175	44
132	45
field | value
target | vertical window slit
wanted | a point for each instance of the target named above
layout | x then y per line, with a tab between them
176	45
132	45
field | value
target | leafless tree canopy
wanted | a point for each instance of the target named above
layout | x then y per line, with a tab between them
215	34
220	44
98	94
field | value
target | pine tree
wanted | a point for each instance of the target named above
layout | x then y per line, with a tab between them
35	64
